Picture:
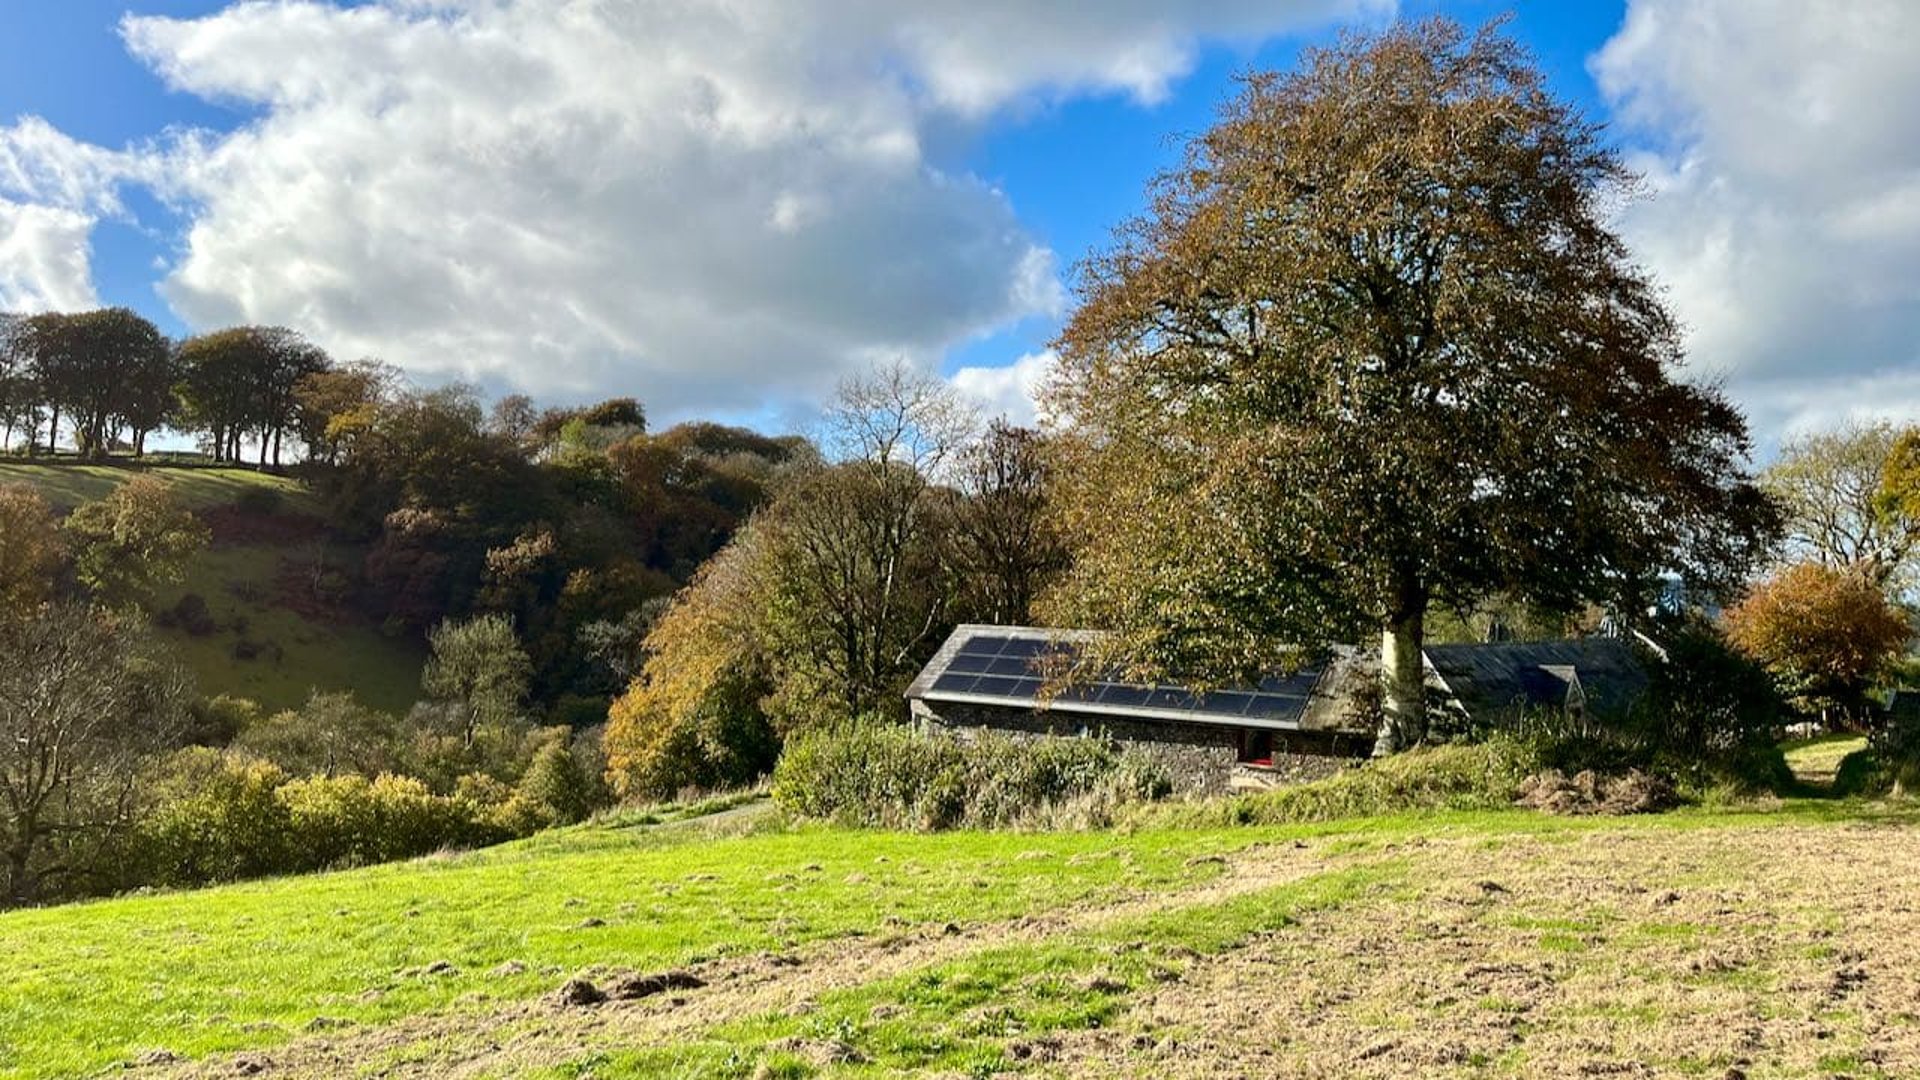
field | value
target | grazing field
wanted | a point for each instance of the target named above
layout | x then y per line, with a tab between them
66	484
266	648
265	639
1493	944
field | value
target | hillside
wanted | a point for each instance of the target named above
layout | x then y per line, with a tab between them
1493	944
266	635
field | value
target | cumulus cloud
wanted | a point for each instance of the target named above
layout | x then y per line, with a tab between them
1782	154
713	206
1009	391
53	190
45	262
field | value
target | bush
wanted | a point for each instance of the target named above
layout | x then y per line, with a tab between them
353	821
658	745
217	818
1889	765
190	614
875	774
1458	776
331	733
1860	773
557	783
217	721
1710	719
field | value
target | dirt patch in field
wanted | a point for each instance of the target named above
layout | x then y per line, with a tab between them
1723	953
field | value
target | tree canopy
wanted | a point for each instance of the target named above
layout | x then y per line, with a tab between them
1824	632
1839	490
1374	345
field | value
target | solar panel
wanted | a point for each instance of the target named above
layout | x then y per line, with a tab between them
1028	647
1228	702
1002	686
955	683
1017	668
1010	665
984	645
1276	707
1128	696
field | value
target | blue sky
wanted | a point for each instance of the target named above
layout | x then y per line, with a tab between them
723	213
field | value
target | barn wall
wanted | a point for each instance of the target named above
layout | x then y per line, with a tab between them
1200	758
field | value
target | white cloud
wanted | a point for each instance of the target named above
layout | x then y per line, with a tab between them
1783	157
44	259
53	190
712	206
1008	391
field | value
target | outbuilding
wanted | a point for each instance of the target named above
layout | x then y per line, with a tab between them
1288	726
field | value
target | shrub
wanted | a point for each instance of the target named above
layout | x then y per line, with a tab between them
217	818
1710	718
219	720
331	733
1860	773
1889	765
1456	776
658	745
556	782
872	773
191	614
352	821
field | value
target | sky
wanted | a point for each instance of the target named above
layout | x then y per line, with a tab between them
724	208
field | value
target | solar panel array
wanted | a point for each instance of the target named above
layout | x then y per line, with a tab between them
1016	669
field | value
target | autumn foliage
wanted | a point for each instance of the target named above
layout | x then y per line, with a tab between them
1825	633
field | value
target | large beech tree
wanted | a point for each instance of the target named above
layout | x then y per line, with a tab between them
1374	346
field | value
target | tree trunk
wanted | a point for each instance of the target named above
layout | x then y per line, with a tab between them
276	448
53	433
20	884
1403	682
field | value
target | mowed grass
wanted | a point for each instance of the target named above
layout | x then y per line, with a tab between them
1816	761
292	655
1062	941
67	484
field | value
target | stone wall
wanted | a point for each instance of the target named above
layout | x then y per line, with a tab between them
1200	758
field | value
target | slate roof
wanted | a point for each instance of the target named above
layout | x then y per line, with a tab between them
1541	673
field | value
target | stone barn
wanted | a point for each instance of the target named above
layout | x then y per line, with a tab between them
1286	727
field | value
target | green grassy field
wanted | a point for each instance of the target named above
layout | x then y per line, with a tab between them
293	654
67	484
1493	944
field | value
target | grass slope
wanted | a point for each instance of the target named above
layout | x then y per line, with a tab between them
293	654
67	484
1501	943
